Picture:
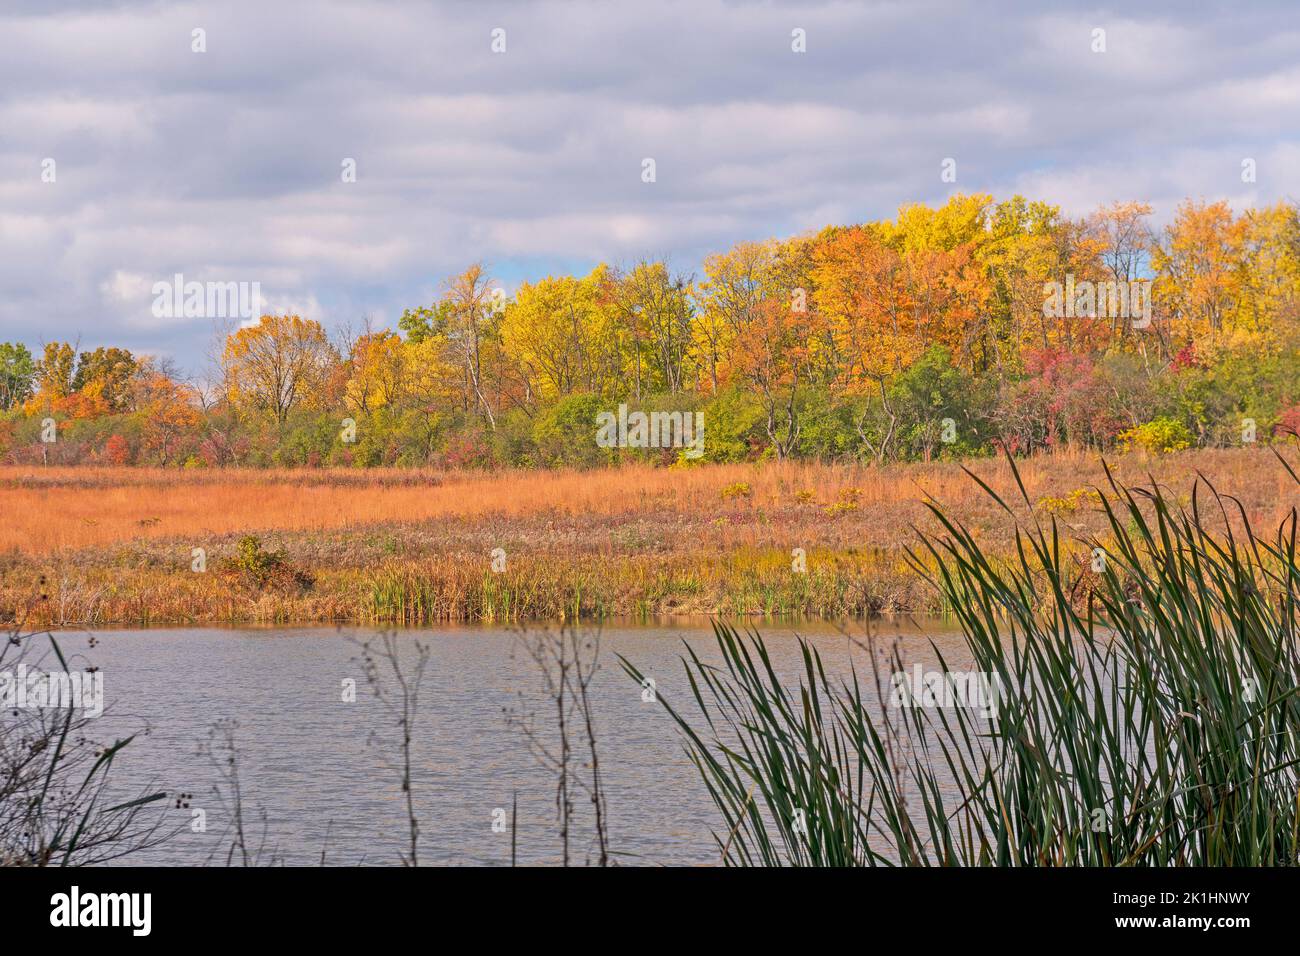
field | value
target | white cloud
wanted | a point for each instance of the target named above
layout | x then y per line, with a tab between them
225	165
129	288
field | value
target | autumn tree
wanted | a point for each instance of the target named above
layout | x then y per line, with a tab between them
55	371
104	377
168	409
277	365
1197	266
734	286
562	336
474	310
377	369
1269	299
654	312
762	330
1021	255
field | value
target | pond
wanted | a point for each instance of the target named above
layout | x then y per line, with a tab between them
318	771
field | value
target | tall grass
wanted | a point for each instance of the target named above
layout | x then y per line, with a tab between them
1149	714
62	510
396	547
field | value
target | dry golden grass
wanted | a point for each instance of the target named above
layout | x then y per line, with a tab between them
114	544
60	510
67	509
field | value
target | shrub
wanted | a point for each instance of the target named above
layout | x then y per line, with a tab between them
734	427
1073	502
117	451
926	394
1159	435
259	567
1288	423
565	433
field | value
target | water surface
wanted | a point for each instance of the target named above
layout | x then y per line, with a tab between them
317	772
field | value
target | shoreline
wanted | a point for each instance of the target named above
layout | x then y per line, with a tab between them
459	589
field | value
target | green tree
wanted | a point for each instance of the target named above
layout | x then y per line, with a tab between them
17	375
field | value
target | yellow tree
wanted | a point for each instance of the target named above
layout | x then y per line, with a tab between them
960	221
376	371
735	284
1269	304
55	371
561	337
653	310
280	364
433	386
1198	268
1024	251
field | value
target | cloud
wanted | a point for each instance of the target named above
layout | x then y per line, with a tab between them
127	288
225	165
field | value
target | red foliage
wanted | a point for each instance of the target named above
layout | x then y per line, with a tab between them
1066	399
117	451
1288	422
1187	358
466	449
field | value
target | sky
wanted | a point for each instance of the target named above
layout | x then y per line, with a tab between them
229	164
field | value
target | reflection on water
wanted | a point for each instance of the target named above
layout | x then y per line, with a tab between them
319	768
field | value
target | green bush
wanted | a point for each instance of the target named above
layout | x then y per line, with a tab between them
565	433
734	427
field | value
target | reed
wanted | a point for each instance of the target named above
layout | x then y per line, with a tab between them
1149	714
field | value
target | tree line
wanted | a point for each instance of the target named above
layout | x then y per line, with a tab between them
940	332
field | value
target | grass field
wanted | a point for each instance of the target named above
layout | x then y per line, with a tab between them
104	545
